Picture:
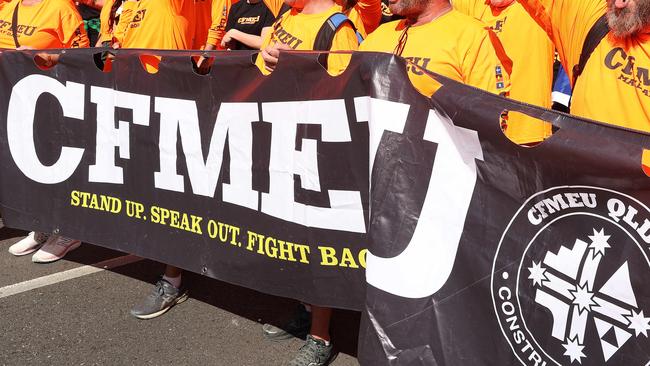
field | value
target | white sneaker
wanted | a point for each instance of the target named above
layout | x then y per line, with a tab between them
29	244
54	249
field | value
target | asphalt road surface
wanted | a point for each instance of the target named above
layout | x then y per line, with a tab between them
75	312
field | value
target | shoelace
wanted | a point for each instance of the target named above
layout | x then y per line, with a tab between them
312	348
160	289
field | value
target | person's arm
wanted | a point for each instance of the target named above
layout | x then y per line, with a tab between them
370	13
270	55
128	12
203	63
567	23
72	32
105	33
250	40
220	10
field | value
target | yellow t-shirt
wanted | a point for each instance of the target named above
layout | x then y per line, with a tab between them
532	58
298	31
48	24
219	12
106	31
365	14
615	85
454	45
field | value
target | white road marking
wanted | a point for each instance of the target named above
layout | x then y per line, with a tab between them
39	282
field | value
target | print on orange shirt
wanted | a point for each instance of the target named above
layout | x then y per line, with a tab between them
47	24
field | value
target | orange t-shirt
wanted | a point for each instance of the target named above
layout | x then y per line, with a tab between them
453	45
48	24
532	58
615	84
160	24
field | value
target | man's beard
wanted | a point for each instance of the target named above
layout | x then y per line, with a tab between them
407	8
629	20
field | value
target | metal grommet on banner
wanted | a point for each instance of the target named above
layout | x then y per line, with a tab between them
56	231
204	270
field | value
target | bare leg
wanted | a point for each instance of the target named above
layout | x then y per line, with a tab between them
171	271
173	275
320	322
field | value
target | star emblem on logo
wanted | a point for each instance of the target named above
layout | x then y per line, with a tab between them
574	350
599	241
638	323
583	298
537	274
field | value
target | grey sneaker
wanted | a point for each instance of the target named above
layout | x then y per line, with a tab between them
163	297
298	326
313	353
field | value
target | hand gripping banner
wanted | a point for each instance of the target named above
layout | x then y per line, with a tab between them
355	191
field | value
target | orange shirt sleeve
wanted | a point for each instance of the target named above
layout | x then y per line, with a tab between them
369	12
567	23
106	33
220	10
72	32
128	12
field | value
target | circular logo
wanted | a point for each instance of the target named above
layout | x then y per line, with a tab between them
570	279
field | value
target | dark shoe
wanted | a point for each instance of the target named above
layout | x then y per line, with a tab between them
163	297
313	353
298	326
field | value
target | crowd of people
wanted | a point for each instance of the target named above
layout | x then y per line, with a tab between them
506	47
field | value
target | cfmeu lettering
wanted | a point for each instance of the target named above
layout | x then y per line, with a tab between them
618	59
179	119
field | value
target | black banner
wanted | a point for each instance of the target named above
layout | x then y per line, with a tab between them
475	250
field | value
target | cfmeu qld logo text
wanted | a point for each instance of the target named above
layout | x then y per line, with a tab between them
569	281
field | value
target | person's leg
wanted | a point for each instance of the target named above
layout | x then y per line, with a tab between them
173	275
167	293
320	322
